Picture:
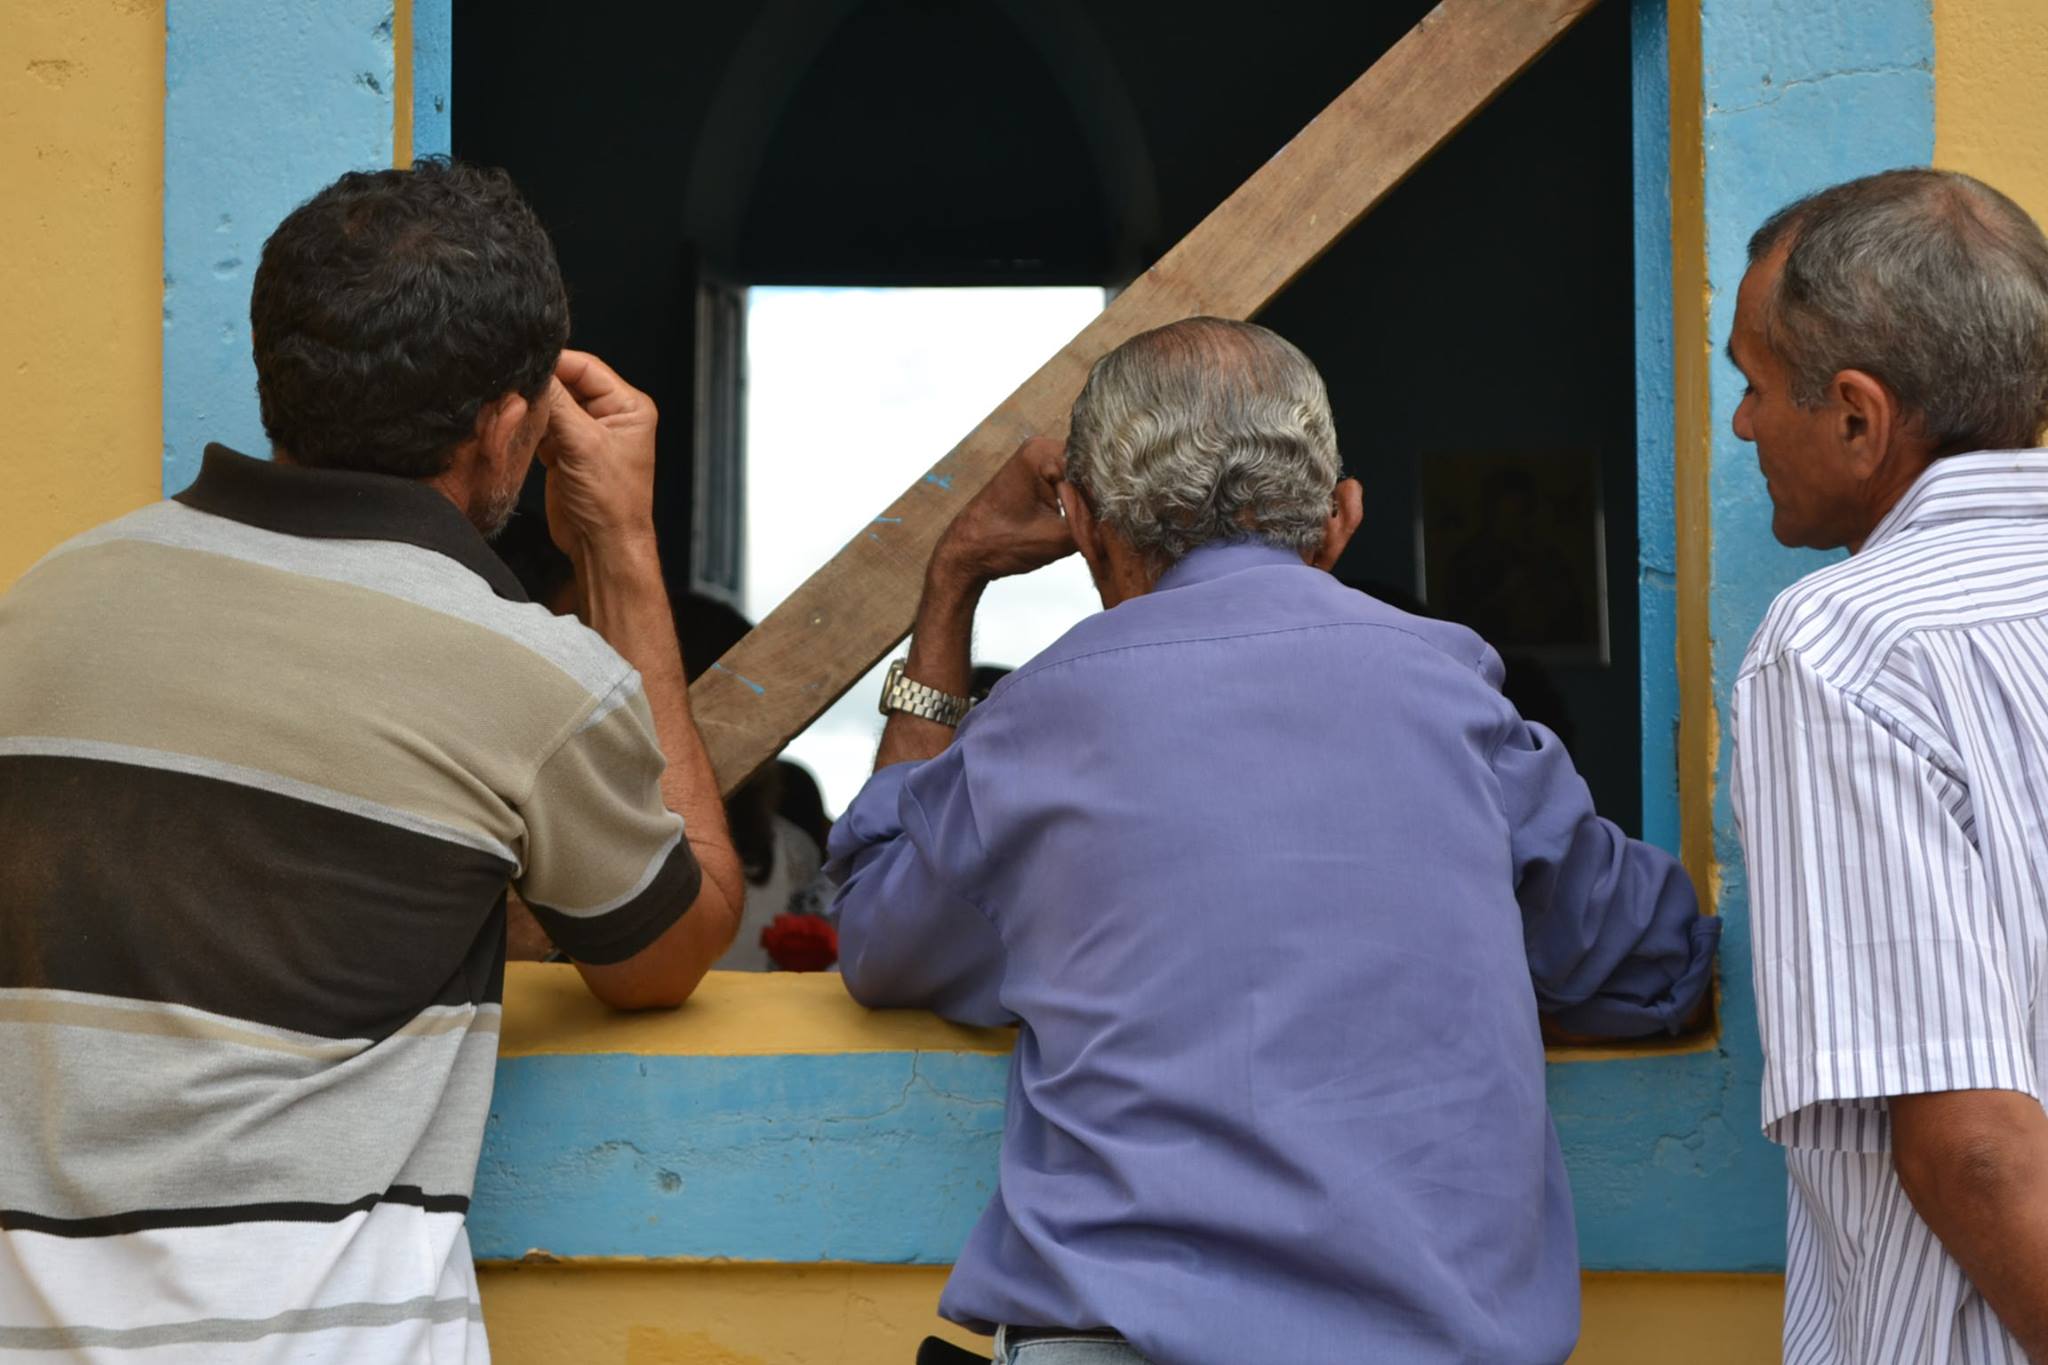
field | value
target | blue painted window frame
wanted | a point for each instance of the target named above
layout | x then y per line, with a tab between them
1656	419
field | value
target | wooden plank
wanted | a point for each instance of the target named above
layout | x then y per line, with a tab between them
835	627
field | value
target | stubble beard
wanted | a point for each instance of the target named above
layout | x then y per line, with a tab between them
491	512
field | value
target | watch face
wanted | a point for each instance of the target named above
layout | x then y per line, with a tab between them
890	686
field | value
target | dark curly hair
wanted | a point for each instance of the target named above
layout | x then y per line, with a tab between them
391	306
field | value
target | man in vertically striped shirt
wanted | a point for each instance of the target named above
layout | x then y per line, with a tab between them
1891	766
270	754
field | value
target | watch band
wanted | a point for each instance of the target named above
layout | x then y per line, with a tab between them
913	698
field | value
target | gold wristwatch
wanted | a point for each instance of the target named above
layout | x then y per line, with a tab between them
914	698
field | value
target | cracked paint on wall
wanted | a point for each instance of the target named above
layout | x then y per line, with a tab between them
877	1157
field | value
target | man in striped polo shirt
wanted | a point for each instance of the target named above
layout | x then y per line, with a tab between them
1891	768
270	754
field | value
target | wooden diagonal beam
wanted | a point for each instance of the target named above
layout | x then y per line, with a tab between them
830	631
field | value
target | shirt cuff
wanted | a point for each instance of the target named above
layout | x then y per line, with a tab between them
619	933
1660	1008
1836	1101
875	817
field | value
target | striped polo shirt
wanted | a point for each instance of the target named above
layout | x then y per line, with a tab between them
1891	784
270	754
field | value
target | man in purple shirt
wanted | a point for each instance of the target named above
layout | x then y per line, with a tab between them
1275	884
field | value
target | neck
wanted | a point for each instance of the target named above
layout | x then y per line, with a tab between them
453	486
1890	484
1124	575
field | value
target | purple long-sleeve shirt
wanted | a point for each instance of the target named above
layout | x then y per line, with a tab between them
1275	883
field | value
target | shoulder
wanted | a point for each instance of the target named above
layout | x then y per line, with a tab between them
563	642
401	578
155	522
1840	621
1242	611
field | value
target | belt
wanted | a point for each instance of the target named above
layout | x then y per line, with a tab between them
1042	1333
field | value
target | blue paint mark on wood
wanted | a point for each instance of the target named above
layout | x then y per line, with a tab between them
887	521
944	481
746	681
884	1157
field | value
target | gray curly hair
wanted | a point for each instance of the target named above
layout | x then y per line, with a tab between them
1205	430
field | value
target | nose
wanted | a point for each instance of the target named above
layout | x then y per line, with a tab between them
1744	431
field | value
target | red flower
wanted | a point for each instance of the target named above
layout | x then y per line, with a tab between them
801	943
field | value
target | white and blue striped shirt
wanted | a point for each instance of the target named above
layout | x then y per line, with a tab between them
1891	787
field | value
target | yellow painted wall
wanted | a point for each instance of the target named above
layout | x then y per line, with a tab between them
81	267
1990	99
645	1314
1681	1319
627	1314
732	1014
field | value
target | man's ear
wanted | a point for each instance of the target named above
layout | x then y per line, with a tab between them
1086	530
1347	510
500	431
1866	420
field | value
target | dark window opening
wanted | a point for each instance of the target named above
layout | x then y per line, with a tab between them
1476	331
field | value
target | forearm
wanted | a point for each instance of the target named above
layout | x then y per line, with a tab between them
1616	945
2003	1248
628	605
941	656
906	938
1984	1192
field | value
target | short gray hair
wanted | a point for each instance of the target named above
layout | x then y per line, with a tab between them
1205	430
1930	281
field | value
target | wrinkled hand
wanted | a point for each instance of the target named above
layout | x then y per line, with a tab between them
599	453
1013	525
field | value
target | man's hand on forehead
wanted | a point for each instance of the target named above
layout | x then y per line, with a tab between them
599	453
1015	524
596	387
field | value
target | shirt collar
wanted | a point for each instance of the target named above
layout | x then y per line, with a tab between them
1987	484
1220	557
342	504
